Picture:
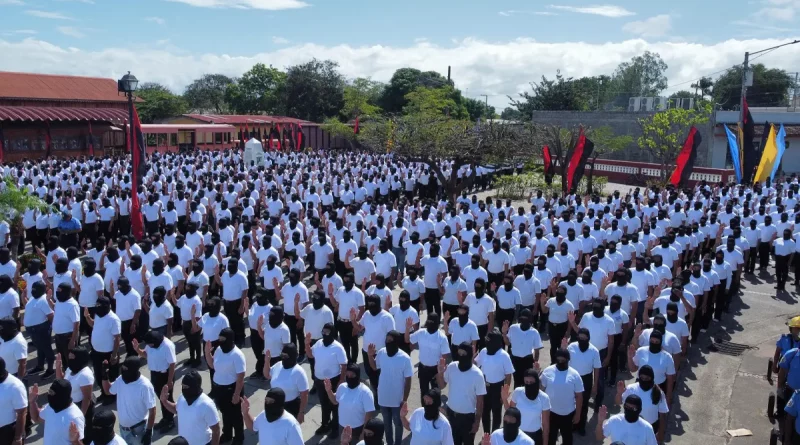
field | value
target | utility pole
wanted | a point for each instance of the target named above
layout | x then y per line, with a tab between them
486	102
794	99
448	73
745	68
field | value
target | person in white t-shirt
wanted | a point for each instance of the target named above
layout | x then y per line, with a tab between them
511	433
198	419
274	425
627	427
394	385
427	424
354	400
59	413
13	406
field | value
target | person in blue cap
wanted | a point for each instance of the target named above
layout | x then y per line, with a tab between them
789	370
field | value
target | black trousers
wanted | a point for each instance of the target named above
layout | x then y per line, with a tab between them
373	374
62	347
349	341
97	365
433	301
496	278
563	425
588	384
232	420
89	419
482	331
782	269
124	225
556	331
427	379
193	340
461	424
502	315
311	362
697	321
85	328
763	254
521	364
330	412
492	406
537	436
7	432
257	344
293	406
127	337
159	379
235	319
295	334
751	260
451	309
720	302
617	358
32	235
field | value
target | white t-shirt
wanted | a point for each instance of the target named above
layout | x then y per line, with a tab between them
460	334
104	331
662	363
84	377
620	430
276	338
523	343
496	438
650	412
561	386
354	404
465	387
159	359
431	346
531	410
375	329
599	329
494	367
56	430
228	365
394	371
13	393
133	400
328	360
65	315
283	431
423	431
315	319
212	326
433	267
292	381
160	315
480	308
584	361
195	420
36	311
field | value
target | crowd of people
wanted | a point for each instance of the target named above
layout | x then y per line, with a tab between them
349	261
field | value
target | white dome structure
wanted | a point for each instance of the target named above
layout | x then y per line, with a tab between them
253	153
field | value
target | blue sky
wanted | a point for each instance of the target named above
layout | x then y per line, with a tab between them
495	48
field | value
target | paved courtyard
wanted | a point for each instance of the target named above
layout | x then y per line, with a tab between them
716	392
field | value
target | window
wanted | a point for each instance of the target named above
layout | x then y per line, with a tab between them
173	139
217	138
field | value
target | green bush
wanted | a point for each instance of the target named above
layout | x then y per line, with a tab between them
519	187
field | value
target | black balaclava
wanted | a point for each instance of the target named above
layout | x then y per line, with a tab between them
274	404
464	356
561	295
275	317
598	309
583	339
531	381
154	339
3	370
525	317
393	340
672	312
103	307
512	420
432	409
646	371
463	315
78	359
289	356
373	305
404	300
494	341
213	307
632	407
130	369
373	431
159	295
103	427
192	386
432	323
63	292
660	323
59	396
328	338
38	289
34	267
562	359
656	340
158	266
354	380
226	338
62	265
318	300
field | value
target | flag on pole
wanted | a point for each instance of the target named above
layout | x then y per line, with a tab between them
780	143
48	141
577	163
733	146
91	141
749	155
2	145
138	155
769	153
269	141
686	158
280	137
548	164
355	127
299	137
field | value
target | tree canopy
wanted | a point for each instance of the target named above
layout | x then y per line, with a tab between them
259	90
207	94
158	102
314	90
663	133
770	87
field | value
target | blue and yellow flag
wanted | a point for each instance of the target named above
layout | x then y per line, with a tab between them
733	146
780	143
768	157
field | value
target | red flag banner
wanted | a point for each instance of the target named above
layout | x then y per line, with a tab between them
91	141
138	156
355	127
47	142
280	137
299	137
548	164
2	145
686	158
269	146
577	163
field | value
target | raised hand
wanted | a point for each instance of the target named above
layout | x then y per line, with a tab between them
327	384
410	323
486	440
74	433
637	331
164	393
353	314
441	366
347	435
505	327
620	387
135	343
564	343
245	403
267	356
603	414
330	289
33	393
371	350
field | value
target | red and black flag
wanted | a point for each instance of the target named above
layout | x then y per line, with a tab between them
355	127
685	162
548	164
91	141
139	158
280	137
48	142
299	137
750	156
2	146
577	163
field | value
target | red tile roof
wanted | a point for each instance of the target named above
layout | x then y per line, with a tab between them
57	87
59	114
243	119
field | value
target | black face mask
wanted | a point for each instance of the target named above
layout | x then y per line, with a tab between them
275	320
672	316
191	392
213	310
598	311
405	304
159	299
79	361
129	371
102	310
273	411
463	319
510	431
655	348
226	343
431	411
562	365
646	385
561	298
392	348
431	326
660	327
352	382
374	309
59	396
318	303
103	430
583	344
288	361
532	391
631	415
327	339
493	344
465	361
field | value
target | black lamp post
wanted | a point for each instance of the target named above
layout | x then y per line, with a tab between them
128	85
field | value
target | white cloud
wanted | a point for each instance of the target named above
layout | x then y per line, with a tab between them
761	26
88	2
156	20
493	68
18	32
603	10
11	2
71	32
270	5
778	10
511	12
279	40
656	26
47	14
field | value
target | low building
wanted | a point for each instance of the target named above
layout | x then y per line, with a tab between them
50	115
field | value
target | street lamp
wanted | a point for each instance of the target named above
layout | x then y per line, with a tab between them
128	85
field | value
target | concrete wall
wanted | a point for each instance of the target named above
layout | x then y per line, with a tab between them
623	123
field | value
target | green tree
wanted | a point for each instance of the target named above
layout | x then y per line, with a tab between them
511	114
14	202
404	81
683	94
444	101
770	87
258	91
478	109
559	94
338	129
158	103
361	97
207	94
663	133
642	76
606	142
314	90
702	87
428	138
